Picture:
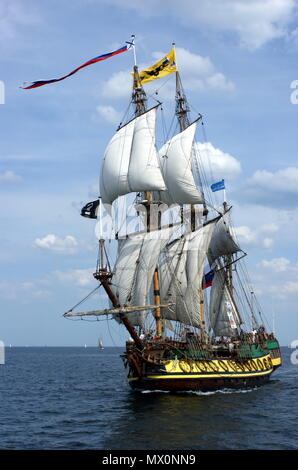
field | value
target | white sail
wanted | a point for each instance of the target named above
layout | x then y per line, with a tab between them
222	242
181	274
125	271
131	162
134	269
224	319
153	244
176	164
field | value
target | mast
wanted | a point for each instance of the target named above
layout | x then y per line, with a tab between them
182	110
139	100
103	274
138	94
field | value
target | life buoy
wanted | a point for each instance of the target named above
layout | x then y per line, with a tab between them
223	365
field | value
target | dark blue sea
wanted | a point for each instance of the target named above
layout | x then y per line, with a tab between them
78	398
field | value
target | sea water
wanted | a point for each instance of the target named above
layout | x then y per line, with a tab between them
79	398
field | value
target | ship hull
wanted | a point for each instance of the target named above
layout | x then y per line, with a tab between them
197	384
204	376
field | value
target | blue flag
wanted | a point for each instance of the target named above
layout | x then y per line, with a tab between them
218	186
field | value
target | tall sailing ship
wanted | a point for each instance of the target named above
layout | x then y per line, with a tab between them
188	329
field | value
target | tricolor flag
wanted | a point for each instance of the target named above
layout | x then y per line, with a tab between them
218	186
162	68
208	278
89	62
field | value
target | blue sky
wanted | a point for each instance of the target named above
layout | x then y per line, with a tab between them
237	61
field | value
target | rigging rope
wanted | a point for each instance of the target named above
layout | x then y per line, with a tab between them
84	299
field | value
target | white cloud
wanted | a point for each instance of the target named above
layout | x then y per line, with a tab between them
279	189
285	180
14	14
10	177
269	228
109	113
223	164
246	235
254	22
67	245
118	86
28	289
268	242
199	73
278	265
79	277
290	287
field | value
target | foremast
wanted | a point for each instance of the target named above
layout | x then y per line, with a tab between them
139	99
103	272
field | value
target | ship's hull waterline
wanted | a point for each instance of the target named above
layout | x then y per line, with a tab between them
205	376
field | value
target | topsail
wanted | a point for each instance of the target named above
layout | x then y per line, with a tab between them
130	162
222	242
176	164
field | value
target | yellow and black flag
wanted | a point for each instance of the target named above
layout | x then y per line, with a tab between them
162	68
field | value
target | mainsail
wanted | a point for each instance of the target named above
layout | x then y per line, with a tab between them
181	273
134	268
131	162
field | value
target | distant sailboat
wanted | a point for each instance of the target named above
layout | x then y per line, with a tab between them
100	344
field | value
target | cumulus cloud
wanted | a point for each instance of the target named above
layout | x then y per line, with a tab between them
270	272
254	23
119	85
278	265
248	236
222	163
11	290
109	114
51	242
9	176
279	189
290	287
14	14
78	277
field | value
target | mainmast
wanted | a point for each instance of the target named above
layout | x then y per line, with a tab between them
182	110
